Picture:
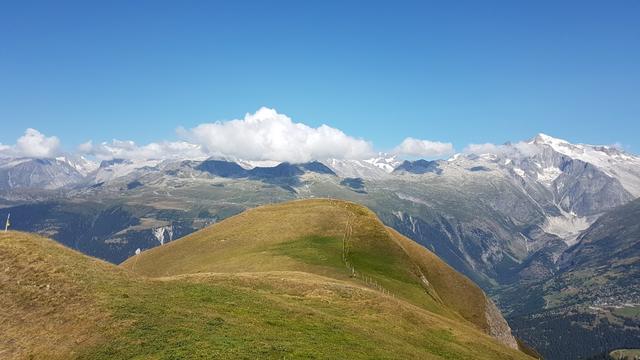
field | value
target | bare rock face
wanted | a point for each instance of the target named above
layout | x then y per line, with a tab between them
498	326
42	174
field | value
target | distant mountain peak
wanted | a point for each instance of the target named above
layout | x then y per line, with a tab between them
377	167
542	138
567	148
386	162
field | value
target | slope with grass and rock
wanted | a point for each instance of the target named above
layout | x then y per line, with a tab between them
305	279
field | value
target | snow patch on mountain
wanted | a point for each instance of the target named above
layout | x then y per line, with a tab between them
115	169
411	198
374	168
11	162
386	163
519	171
547	175
566	226
454	157
82	165
250	164
163	233
413	223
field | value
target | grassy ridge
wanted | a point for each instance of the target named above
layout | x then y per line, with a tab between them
283	237
287	295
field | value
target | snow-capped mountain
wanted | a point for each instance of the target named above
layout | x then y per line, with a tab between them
612	161
374	168
82	165
547	160
580	180
564	169
117	168
572	184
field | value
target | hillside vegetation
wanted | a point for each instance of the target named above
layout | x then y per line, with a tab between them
307	279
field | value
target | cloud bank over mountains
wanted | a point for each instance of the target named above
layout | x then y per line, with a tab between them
268	135
520	149
265	135
119	149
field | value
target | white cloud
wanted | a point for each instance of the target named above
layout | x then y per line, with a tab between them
517	150
423	148
118	149
268	135
32	144
486	148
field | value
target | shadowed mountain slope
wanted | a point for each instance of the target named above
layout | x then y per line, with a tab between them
595	296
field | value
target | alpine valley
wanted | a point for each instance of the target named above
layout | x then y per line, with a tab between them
549	229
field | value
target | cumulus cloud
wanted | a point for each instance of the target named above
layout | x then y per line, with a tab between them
32	144
268	135
423	148
118	149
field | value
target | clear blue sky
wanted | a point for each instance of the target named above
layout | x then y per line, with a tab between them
459	71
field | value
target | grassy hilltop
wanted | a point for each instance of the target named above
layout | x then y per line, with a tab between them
305	279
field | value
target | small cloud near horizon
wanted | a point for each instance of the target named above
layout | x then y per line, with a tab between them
423	148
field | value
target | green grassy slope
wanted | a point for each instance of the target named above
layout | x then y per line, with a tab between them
303	303
332	238
308	236
457	292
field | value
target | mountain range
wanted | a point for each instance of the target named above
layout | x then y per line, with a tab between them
517	218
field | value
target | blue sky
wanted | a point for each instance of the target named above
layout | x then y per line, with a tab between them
452	71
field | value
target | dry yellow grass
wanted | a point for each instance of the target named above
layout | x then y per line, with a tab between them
49	304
